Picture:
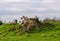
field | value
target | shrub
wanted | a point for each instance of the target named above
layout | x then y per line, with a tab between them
1	22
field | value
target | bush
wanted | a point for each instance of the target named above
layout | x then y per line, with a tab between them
1	22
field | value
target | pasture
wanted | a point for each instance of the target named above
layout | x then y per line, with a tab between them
49	32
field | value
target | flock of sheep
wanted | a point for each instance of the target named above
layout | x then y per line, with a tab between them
28	23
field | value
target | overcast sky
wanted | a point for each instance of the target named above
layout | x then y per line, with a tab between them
14	9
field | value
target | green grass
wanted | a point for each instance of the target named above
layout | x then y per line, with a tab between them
47	33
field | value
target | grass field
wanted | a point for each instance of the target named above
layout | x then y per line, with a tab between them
48	33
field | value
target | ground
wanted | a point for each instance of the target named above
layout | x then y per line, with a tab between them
48	33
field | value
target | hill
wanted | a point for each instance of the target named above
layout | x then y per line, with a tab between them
49	32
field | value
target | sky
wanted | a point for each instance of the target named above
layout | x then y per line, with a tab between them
14	9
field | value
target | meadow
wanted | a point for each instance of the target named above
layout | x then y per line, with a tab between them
49	32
